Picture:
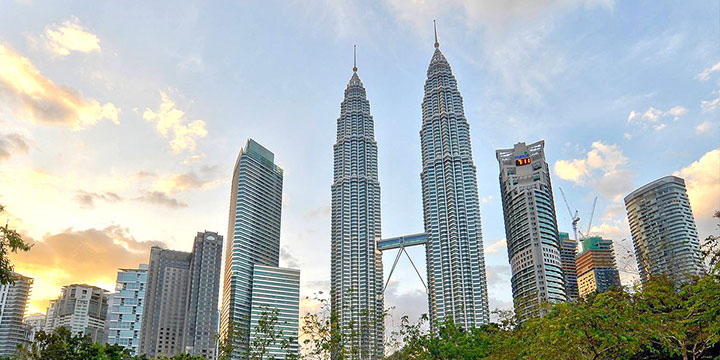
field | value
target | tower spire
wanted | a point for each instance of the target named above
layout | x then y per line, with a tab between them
354	58
437	44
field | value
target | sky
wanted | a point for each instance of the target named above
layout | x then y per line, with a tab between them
120	122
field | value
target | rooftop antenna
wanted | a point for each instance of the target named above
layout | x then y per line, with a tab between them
437	44
354	58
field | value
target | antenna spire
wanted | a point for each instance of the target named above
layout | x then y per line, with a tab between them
354	58
437	44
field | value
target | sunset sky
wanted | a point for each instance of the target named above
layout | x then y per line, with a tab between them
120	122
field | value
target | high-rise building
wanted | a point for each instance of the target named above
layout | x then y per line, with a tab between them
596	270
356	275
125	308
533	242
82	309
253	236
278	289
181	299
14	301
34	323
568	252
663	230
455	258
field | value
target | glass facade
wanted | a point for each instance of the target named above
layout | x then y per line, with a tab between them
14	301
82	309
596	268
253	235
568	253
455	258
126	308
533	241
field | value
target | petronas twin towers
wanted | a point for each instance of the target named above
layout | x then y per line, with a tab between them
457	287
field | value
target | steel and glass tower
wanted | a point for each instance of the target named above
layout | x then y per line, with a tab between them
356	273
454	251
533	241
253	236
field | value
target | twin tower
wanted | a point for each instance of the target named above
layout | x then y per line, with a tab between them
455	260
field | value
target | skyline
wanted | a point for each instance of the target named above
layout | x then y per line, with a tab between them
156	138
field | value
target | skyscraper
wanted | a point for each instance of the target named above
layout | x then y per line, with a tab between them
179	315
356	263
276	288
454	252
568	252
533	242
14	301
253	235
125	308
596	271
82	309
663	230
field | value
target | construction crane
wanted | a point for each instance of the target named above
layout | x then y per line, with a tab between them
574	218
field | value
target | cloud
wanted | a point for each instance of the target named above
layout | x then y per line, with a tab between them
652	117
288	260
169	119
189	180
498	275
711	105
603	168
12	144
35	98
702	179
90	256
704	127
87	199
70	36
705	74
160	198
495	247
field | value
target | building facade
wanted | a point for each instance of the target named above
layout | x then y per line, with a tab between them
179	314
125	308
82	309
568	252
276	291
356	275
533	241
455	258
253	236
596	268
34	323
14	302
663	230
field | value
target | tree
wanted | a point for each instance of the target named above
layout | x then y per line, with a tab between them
10	240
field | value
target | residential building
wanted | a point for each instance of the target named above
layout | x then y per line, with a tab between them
455	259
568	252
253	236
34	323
181	299
14	302
82	309
533	242
356	275
276	291
596	268
663	230
125	309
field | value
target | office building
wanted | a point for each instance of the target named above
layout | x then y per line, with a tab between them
181	299
82	309
253	235
533	242
356	277
276	291
596	270
663	230
125	308
568	252
14	302
455	259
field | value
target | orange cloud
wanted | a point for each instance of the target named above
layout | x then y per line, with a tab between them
90	256
702	179
70	36
36	98
170	119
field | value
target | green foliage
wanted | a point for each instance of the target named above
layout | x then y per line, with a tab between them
10	240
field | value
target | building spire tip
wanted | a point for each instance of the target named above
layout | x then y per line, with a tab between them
354	58
437	44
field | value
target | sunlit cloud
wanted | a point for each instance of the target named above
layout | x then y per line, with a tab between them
12	144
169	119
705	74
702	179
652	117
35	98
704	127
496	247
70	36
161	198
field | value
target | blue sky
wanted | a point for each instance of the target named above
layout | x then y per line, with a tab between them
120	122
